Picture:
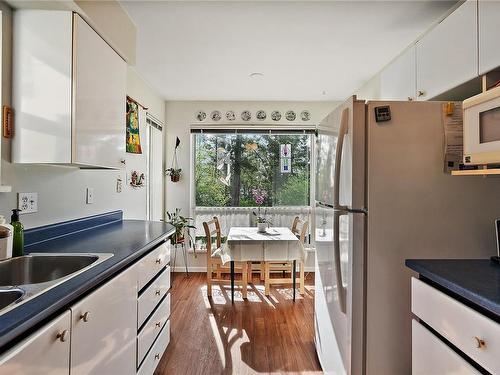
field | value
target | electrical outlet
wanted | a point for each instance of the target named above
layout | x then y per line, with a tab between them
27	202
90	195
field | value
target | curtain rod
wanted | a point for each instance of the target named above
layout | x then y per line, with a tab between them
135	101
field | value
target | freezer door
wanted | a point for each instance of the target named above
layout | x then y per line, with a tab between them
332	284
326	143
340	157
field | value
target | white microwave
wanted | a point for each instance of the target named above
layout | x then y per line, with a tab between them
482	128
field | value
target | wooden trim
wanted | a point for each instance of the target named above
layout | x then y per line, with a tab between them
477	172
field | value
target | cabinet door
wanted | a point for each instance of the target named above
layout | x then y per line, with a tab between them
104	328
41	86
489	30
44	352
447	55
99	88
397	80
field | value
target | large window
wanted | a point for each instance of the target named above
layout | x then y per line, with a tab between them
248	169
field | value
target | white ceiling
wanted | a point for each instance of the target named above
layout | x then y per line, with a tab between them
306	50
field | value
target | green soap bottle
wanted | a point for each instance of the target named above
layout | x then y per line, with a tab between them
18	238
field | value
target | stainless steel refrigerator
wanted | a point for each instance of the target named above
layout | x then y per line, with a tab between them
381	197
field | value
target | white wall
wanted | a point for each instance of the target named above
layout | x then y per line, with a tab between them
61	190
181	115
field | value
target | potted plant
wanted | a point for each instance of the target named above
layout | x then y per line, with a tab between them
174	173
261	220
182	225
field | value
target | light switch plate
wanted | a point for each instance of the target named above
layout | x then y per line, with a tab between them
90	195
27	202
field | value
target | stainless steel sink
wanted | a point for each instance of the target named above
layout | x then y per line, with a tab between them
23	278
9	296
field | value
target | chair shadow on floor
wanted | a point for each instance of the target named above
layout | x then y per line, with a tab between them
263	334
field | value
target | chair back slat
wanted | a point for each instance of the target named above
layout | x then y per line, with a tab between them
212	227
299	228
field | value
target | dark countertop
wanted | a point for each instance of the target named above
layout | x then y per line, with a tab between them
475	281
128	240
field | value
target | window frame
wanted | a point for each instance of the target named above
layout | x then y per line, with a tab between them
245	129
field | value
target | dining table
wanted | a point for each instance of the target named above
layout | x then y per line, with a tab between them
247	244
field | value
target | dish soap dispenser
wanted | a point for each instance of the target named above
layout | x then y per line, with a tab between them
18	243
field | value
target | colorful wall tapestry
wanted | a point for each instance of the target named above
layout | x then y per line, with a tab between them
133	136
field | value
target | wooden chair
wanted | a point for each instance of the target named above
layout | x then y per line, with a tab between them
299	228
214	262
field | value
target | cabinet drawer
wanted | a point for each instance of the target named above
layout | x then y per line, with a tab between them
44	352
153	326
152	296
432	356
459	324
151	264
153	358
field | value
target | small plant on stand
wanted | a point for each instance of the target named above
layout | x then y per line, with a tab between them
182	225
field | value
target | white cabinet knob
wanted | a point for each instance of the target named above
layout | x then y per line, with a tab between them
63	336
85	316
480	343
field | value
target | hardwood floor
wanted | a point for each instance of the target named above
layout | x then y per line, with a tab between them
259	335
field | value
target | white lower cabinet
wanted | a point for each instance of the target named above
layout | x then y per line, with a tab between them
101	333
432	356
47	351
104	328
474	334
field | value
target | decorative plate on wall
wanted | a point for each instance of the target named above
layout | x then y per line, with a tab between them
200	116
246	115
276	115
290	115
230	116
261	115
305	115
215	116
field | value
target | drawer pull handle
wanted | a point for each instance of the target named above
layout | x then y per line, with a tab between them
158	261
480	343
85	317
157	356
158	292
62	336
158	324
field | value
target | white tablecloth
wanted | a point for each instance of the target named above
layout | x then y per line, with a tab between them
246	244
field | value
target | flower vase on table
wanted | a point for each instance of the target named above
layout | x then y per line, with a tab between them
261	220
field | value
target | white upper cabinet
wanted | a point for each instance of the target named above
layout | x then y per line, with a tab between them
99	98
69	92
397	80
489	35
447	55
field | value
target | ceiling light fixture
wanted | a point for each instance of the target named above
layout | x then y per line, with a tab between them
256	75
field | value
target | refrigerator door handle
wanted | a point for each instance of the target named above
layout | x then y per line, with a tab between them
344	128
337	261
